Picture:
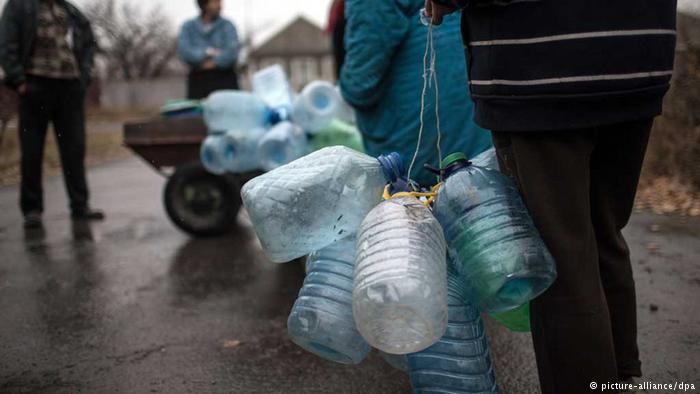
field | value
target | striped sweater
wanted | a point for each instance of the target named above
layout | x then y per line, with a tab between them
560	64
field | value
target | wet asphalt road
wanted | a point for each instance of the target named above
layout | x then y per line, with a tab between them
132	305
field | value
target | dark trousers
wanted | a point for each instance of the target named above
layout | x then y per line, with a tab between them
61	102
201	83
579	186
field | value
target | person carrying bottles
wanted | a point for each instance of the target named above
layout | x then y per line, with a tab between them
47	50
570	90
382	78
209	45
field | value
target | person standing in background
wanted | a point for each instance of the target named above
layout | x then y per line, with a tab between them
570	90
209	45
382	77
47	50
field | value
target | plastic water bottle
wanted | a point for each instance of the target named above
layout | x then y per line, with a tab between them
272	86
486	159
241	149
346	112
212	153
282	144
316	200
400	289
321	321
460	362
491	237
316	106
235	109
337	133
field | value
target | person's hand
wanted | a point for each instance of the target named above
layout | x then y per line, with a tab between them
213	52
208	65
22	89
436	11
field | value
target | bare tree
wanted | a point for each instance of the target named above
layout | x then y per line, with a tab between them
134	43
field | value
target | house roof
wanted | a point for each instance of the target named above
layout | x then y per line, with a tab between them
300	37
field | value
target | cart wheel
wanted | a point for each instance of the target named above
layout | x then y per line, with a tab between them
202	203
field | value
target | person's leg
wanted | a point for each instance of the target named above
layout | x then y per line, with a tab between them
34	109
69	123
570	321
615	167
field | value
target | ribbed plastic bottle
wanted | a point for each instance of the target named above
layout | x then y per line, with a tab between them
400	291
316	106
241	149
460	362
282	144
212	154
272	86
491	237
235	109
321	321
337	133
486	159
316	200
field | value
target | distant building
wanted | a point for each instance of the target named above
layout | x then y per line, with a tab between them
302	48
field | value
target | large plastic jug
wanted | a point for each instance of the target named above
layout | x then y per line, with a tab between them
400	289
235	109
212	153
321	320
460	362
272	86
491	237
282	144
316	200
241	149
316	106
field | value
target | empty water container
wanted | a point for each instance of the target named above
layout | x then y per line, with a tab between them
316	200
241	149
316	106
486	159
282	144
491	237
460	362
346	113
272	86
235	109
212	152
400	290
321	320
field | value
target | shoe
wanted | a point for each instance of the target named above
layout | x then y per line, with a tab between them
32	220
88	214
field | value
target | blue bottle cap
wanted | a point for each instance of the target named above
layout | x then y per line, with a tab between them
393	167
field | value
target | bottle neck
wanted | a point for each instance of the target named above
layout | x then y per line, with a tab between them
392	167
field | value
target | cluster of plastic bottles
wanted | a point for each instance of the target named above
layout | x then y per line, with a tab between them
395	272
272	126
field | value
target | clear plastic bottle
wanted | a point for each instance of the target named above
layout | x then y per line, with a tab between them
235	109
460	362
486	159
241	149
400	290
282	144
316	200
316	106
272	86
321	320
491	237
346	113
212	154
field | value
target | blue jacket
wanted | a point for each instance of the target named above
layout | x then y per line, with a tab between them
194	41
382	78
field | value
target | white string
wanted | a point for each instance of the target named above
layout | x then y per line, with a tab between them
428	47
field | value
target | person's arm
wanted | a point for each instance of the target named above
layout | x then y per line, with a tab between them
189	52
228	55
10	50
89	50
374	31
